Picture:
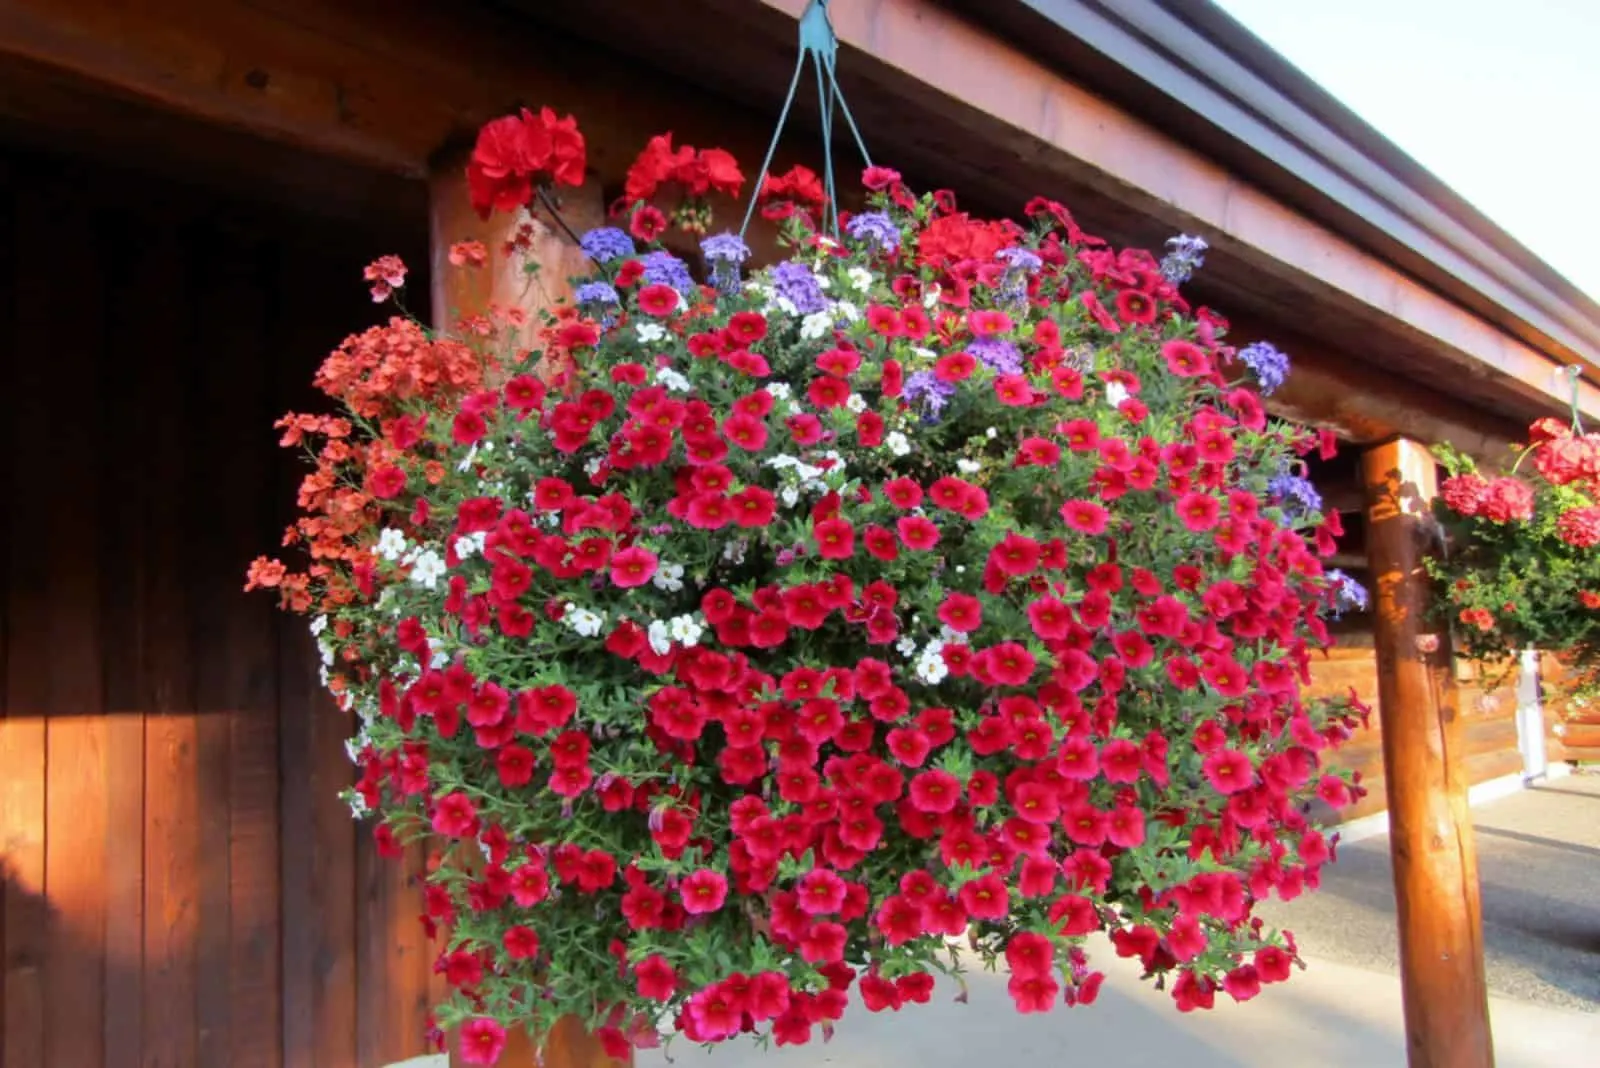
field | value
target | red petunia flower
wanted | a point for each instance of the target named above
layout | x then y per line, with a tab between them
703	892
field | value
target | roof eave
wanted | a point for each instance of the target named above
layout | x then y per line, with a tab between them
1188	61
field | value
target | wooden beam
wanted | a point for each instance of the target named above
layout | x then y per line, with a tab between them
1365	405
382	83
1435	860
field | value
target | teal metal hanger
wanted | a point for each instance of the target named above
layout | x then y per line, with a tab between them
821	44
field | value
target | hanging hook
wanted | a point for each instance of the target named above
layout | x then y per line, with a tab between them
821	44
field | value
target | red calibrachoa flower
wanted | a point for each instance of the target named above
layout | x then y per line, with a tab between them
731	651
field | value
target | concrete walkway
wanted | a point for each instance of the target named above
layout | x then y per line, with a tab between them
1539	867
1332	1016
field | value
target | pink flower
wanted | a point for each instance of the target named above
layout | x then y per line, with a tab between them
1185	359
836	539
1228	771
988	323
1034	993
655	977
482	1041
1199	511
455	816
1029	954
1464	493
1086	517
1579	527
633	566
703	892
918	532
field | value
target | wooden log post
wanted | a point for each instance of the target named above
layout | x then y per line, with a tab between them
1435	860
502	283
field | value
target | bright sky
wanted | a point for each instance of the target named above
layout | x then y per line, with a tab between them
1498	98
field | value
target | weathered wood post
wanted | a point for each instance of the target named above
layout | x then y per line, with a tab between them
1435	860
501	282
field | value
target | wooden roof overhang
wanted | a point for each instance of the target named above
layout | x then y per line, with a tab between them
367	92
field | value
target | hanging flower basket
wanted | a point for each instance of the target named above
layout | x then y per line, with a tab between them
1520	568
767	630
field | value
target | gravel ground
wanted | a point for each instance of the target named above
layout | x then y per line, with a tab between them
1539	865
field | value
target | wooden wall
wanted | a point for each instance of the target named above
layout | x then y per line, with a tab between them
181	884
1489	724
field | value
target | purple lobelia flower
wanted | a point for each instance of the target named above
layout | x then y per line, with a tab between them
606	243
795	283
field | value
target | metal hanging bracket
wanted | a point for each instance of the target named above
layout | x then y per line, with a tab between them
819	42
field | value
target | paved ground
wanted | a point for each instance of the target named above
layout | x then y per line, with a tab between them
1539	865
1332	1016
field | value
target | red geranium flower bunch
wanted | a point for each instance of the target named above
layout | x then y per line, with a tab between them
937	582
696	175
797	191
515	154
1521	570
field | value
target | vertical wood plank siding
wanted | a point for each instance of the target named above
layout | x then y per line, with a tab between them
181	886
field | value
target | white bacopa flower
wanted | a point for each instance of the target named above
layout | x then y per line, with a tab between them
856	403
319	625
817	325
650	333
468	544
779	390
668	577
591	467
932	669
428	569
733	552
948	635
906	647
672	380
843	309
660	640
790	496
468	459
931	297
325	647
358	807
1116	393
391	544
585	622
897	443
685	631
968	467
860	279
323	676
991	433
